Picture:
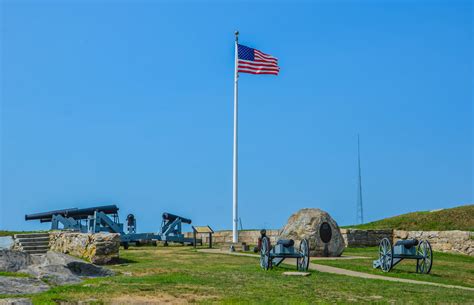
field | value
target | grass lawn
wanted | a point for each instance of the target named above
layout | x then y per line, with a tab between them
173	274
452	269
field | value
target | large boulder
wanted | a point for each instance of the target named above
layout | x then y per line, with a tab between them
12	261
21	285
60	269
322	232
52	267
98	248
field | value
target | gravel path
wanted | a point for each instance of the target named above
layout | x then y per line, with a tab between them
335	270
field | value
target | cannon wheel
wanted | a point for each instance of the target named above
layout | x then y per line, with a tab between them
265	261
424	249
302	263
385	255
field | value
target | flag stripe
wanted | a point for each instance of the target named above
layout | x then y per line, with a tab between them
264	55
253	63
264	60
258	72
258	67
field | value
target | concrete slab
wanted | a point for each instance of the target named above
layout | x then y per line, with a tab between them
295	273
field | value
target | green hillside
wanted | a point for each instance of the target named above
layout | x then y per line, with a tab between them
459	218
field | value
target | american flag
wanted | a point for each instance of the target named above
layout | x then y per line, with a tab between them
256	62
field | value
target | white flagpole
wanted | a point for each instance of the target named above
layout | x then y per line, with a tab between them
235	233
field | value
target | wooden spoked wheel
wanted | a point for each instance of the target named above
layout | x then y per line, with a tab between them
302	263
423	265
265	261
385	255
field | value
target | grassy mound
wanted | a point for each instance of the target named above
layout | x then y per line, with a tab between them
459	218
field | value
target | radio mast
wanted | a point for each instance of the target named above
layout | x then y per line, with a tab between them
360	210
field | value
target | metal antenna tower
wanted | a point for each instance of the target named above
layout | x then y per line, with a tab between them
360	210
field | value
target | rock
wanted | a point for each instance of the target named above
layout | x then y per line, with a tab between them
21	285
53	274
6	242
16	301
12	261
56	268
98	248
61	269
322	232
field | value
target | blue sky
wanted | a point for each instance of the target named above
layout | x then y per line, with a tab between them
130	102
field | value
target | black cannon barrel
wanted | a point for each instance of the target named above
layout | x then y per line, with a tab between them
74	213
172	217
47	215
84	213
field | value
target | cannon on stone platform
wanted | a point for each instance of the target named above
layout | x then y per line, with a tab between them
284	248
106	219
75	219
389	255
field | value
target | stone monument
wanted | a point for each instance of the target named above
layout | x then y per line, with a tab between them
322	232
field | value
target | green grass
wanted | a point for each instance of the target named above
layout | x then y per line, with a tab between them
14	274
459	218
451	269
11	233
180	273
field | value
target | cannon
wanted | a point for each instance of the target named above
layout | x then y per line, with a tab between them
284	248
74	213
72	219
105	219
172	217
131	223
171	229
390	256
47	216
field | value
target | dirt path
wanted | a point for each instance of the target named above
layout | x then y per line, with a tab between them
335	270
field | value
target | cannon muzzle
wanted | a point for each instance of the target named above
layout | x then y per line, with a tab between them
172	217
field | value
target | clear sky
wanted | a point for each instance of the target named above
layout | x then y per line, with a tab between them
131	103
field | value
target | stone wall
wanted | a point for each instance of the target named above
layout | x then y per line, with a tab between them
445	241
249	237
364	238
98	248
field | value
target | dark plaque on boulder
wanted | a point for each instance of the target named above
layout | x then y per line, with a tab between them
325	232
